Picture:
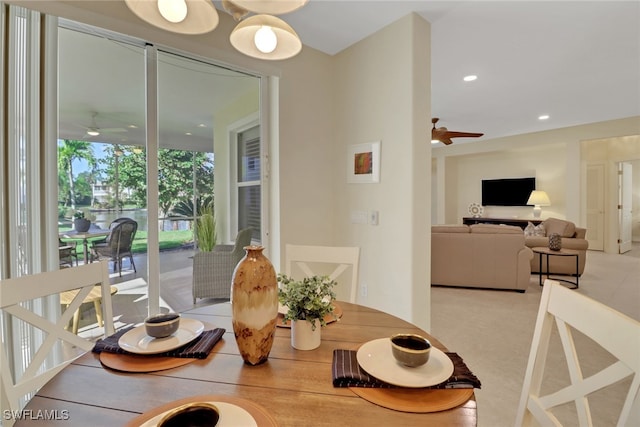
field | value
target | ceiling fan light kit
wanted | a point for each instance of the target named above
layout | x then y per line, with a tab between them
265	37
177	16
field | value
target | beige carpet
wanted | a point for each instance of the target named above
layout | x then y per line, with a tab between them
492	331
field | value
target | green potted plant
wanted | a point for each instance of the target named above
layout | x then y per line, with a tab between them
206	262
206	235
307	303
80	222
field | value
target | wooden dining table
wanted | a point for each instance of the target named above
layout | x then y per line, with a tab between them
294	387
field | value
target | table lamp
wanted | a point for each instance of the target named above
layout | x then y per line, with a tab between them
538	198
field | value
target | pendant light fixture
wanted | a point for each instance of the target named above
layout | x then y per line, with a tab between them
265	37
178	16
271	7
234	10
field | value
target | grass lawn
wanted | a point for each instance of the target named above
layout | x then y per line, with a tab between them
168	240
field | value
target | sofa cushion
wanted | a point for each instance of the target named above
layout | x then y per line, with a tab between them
560	226
495	229
450	228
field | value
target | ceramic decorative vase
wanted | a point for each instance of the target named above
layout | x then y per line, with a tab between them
81	224
303	337
555	242
254	305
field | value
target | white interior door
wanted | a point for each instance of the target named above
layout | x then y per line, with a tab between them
625	174
595	207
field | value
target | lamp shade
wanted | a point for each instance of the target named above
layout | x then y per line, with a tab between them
201	15
539	198
271	7
281	40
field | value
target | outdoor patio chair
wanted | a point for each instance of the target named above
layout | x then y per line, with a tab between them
213	271
117	244
67	253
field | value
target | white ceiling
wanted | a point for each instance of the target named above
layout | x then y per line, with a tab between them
577	61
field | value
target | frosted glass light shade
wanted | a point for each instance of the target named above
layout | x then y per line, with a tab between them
243	38
270	7
201	18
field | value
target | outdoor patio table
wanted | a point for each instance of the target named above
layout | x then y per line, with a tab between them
85	236
294	387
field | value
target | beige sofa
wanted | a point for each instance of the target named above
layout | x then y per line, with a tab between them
480	256
572	238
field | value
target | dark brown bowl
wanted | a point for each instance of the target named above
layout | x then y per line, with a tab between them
410	349
162	325
192	415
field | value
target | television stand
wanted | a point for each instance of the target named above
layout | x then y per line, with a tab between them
520	222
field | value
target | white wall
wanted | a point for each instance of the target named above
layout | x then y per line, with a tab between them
635	229
383	94
609	152
549	171
557	158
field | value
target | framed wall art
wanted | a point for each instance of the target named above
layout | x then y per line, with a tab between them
363	163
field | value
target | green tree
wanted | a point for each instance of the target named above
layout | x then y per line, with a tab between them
175	175
83	188
68	151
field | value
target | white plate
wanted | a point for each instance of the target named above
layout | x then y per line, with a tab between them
137	341
230	415
376	359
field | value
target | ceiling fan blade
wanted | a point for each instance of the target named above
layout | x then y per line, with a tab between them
112	130
444	135
454	134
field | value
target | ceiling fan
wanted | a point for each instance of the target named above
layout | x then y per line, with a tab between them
444	135
94	130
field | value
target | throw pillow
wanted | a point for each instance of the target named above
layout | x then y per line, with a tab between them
529	229
539	230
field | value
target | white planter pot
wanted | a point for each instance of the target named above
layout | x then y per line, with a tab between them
302	335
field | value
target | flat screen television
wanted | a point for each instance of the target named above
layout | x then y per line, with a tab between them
507	191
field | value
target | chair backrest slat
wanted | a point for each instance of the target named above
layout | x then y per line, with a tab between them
613	331
341	257
15	292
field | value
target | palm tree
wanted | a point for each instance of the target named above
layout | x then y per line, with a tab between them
68	151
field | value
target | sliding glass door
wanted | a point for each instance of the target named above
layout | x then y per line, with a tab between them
117	124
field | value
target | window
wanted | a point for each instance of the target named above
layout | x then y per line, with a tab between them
248	181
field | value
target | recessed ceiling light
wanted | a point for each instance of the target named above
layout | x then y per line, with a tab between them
470	78
202	125
188	133
132	127
543	117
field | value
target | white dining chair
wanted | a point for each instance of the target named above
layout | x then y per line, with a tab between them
332	261
615	332
59	346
